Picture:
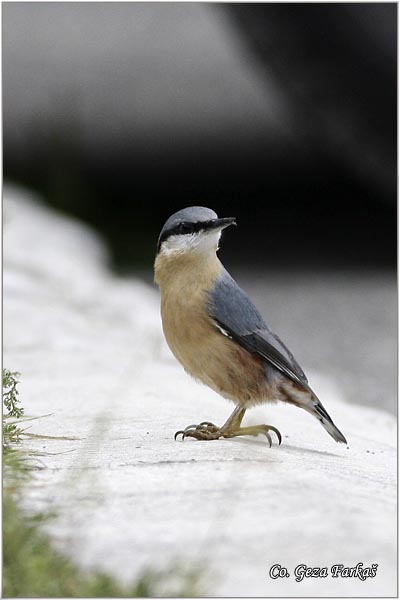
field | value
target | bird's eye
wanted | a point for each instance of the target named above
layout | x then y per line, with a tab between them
186	228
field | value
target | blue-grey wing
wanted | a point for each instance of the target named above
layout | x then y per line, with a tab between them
236	315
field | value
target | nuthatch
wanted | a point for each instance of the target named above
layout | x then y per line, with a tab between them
218	335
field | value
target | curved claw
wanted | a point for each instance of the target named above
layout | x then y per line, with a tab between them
264	430
268	438
179	433
277	433
190	427
206	424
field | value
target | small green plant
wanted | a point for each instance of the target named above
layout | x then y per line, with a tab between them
10	393
32	567
11	408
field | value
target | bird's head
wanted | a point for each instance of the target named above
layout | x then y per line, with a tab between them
192	230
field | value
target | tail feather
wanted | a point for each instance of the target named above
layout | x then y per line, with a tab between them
304	397
319	412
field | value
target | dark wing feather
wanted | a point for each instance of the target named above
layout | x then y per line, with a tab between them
234	312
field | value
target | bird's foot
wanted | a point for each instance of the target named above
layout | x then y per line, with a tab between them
204	431
209	431
256	430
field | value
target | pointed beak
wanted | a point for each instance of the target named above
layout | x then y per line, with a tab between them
222	223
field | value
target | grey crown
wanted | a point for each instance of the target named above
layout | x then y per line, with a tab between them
192	214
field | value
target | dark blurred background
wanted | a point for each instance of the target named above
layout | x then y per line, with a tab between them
283	115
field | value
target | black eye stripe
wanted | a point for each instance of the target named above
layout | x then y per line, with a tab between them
186	228
182	228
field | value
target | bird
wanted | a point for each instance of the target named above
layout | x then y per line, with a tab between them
218	335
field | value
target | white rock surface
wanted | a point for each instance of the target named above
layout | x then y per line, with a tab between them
90	350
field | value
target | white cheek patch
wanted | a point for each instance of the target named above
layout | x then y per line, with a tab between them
202	241
210	240
178	243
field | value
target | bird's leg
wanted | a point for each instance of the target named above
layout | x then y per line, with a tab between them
235	420
209	431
